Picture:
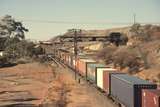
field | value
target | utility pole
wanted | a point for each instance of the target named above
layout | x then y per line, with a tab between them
134	18
75	51
76	32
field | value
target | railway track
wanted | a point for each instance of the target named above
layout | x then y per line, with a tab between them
82	80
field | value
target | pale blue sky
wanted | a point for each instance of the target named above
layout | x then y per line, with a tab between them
79	11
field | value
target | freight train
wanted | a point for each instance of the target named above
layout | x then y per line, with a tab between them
127	90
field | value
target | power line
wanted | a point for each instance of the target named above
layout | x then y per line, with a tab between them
91	23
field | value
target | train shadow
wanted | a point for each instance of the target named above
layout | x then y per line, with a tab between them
5	65
21	105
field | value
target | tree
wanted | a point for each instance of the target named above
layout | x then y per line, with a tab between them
141	33
107	53
10	27
144	56
12	32
126	57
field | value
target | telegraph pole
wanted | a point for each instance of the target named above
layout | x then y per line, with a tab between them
75	51
75	32
134	18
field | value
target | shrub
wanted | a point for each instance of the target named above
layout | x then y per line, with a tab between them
126	57
141	33
107	53
19	49
144	56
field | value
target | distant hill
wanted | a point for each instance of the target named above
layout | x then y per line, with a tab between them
104	32
155	32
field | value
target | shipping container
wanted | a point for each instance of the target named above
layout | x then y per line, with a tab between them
82	57
150	98
82	65
127	89
70	60
99	77
74	62
107	80
60	55
67	58
63	56
91	71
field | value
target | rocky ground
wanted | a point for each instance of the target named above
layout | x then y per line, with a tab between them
34	84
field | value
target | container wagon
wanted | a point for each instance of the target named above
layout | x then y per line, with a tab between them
127	89
150	98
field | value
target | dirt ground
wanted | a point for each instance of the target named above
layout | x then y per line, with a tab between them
34	84
24	84
70	93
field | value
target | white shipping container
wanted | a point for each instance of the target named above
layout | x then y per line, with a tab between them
1	53
100	75
69	60
74	62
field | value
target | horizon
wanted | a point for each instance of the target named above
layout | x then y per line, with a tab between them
48	18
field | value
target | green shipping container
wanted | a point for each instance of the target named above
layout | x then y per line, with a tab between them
91	71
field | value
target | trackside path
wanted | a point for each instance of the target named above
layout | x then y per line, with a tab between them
72	94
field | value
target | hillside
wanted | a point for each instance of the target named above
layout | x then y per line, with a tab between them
144	41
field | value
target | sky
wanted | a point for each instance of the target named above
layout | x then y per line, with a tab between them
48	18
